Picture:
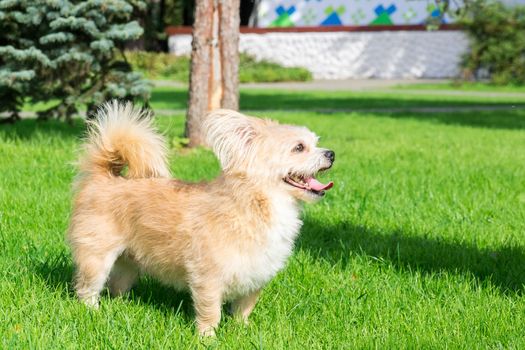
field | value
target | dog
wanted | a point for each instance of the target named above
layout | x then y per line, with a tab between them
221	240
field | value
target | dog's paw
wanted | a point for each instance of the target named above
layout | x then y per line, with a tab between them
92	302
207	332
241	319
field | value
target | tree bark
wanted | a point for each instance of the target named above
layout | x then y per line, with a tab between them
200	70
229	49
214	78
214	100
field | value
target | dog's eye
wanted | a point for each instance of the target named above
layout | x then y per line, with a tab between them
299	148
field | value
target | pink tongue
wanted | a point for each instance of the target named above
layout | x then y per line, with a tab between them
317	186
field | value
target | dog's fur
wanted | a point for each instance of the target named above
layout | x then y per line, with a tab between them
222	240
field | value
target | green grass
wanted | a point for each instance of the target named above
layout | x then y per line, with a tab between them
464	86
170	67
253	99
271	100
421	243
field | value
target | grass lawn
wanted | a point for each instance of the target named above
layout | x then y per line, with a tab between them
155	65
275	100
464	86
251	99
421	243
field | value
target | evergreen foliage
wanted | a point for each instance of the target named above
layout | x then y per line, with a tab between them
69	51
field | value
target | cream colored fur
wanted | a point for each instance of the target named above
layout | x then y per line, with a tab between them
222	240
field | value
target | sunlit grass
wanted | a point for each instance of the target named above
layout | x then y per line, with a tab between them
421	243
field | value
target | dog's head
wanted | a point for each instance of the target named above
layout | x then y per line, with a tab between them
281	156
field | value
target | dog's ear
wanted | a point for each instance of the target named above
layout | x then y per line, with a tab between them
231	135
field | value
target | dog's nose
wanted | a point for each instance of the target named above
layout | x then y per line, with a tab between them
330	155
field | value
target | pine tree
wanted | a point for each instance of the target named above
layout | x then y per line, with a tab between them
67	51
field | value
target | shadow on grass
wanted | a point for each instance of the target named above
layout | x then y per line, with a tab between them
497	119
57	272
27	128
502	267
307	100
169	98
322	103
326	103
353	100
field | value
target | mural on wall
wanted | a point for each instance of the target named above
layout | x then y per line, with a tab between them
300	13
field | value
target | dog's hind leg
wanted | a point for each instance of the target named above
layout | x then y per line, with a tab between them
123	275
243	306
93	268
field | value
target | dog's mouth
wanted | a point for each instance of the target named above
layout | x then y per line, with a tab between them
308	183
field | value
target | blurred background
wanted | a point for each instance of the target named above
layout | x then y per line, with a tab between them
84	52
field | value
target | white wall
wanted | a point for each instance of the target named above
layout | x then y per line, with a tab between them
346	55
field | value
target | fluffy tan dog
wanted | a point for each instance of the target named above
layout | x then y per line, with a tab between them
222	240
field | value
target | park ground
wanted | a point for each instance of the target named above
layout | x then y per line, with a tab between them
420	244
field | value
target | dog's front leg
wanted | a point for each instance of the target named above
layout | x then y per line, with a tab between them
207	300
243	306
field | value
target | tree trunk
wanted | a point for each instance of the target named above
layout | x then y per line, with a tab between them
214	76
229	51
201	47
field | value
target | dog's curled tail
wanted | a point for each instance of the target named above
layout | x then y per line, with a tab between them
121	136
